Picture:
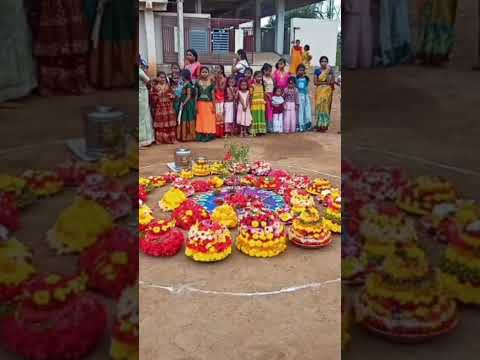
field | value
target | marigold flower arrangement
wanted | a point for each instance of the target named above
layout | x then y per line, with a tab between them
261	168
107	192
157	181
9	213
333	215
172	199
285	215
217	168
300	182
188	214
216	182
420	197
79	226
17	187
225	215
114	167
73	173
201	186
52	304
268	183
170	177
43	183
185	185
142	194
145	217
249	180
318	185
186	174
112	262
201	169
161	238
327	195
124	345
404	299
262	234
208	241
299	200
461	262
15	269
309	231
233	180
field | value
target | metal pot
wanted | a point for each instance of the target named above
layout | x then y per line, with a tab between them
105	132
201	160
183	158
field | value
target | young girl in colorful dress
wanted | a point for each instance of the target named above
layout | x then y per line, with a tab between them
281	75
259	125
164	117
176	83
249	76
186	126
307	58
206	114
268	84
291	106
192	64
220	85
244	116
277	109
229	105
305	107
174	70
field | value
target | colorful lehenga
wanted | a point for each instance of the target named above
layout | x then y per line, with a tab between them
62	46
114	53
323	98
164	116
206	114
259	125
436	32
186	128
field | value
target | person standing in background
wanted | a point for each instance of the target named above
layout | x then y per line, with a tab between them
296	57
192	64
146	135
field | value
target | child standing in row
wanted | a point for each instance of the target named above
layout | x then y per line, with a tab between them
162	104
269	87
290	95
305	108
229	106
259	126
206	114
220	85
277	110
186	112
244	115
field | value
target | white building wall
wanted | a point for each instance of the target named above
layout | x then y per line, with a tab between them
142	36
321	35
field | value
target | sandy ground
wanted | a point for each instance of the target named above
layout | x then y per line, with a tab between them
243	324
424	120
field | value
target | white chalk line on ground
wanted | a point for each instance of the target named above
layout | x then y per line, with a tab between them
420	160
180	289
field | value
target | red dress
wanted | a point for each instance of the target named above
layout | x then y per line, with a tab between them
163	113
219	107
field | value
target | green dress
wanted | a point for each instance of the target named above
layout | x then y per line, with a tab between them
18	75
186	128
146	135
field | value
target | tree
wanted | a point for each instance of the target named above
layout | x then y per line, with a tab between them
308	12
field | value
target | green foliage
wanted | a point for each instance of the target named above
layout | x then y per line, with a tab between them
308	12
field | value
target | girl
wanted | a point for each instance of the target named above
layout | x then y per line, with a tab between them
176	83
268	83
230	97
174	70
324	80
145	128
307	58
280	76
240	63
186	123
206	115
192	64
277	108
164	118
259	126
249	76
220	85
244	116
291	106
296	56
305	108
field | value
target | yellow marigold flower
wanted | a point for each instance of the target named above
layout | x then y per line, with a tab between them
41	297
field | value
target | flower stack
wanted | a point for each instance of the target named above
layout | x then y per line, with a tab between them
420	197
319	185
18	189
161	238
299	200
308	230
208	241
188	214
43	183
461	262
226	215
261	168
201	168
404	300
333	215
172	199
262	234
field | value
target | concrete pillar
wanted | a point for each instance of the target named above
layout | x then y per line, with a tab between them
279	31
181	35
150	39
258	25
198	6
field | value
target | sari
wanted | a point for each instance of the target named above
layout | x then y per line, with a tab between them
18	77
323	98
164	116
394	45
436	32
114	33
145	128
194	69
296	59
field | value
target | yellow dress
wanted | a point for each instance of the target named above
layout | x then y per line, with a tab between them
306	60
296	59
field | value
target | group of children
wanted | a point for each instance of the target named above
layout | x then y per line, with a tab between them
216	106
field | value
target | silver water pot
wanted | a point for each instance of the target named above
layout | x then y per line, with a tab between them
183	158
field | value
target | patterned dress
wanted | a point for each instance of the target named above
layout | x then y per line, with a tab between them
244	117
269	85
206	114
164	117
305	107
145	128
259	125
186	127
219	107
290	114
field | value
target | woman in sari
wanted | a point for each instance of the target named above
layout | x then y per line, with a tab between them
114	34
162	98
62	46
145	129
192	64
394	45
436	33
324	81
296	57
18	77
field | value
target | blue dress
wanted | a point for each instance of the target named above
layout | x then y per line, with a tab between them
305	107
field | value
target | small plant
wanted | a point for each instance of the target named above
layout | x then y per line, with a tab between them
238	153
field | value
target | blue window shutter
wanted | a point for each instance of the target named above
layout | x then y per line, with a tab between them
221	41
199	41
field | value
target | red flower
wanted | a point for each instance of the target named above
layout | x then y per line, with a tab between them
166	244
9	213
228	156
